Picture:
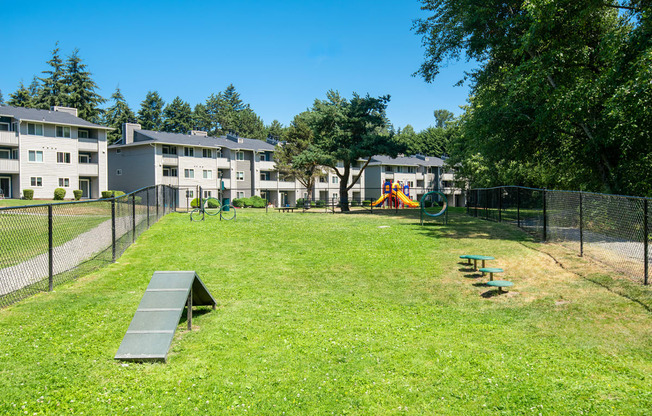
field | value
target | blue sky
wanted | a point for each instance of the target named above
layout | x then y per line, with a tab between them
280	55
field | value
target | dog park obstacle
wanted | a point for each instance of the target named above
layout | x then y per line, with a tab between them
152	328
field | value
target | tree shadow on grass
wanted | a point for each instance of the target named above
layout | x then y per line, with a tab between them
493	293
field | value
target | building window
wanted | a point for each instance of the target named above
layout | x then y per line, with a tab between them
263	195
62	131
118	172
36	156
265	176
36	181
208	194
240	194
207	152
263	157
334	179
189	173
169	171
411	169
35	129
218	153
208	174
400	169
63	157
188	151
389	169
322	179
4	126
169	150
239	176
82	134
84	158
118	151
190	194
64	182
239	155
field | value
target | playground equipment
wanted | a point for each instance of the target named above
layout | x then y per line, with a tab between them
152	328
211	207
428	201
394	194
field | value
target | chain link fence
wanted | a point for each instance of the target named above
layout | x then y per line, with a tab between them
612	229
44	245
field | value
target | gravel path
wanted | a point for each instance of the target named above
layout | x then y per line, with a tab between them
66	256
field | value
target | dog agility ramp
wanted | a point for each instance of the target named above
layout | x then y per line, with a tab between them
151	330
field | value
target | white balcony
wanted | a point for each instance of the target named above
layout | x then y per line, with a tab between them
223	163
8	138
170	180
88	169
170	160
447	177
266	165
9	166
280	185
87	145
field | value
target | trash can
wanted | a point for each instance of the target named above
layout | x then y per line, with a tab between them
225	207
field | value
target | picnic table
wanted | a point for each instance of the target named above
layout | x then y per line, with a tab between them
475	259
285	209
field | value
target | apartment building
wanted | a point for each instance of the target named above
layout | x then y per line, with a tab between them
47	149
421	173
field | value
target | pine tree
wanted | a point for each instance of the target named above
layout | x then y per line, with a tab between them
2	99
118	114
276	130
80	89
177	117
200	118
150	115
20	98
52	91
248	124
34	89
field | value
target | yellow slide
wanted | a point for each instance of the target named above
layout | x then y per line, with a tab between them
380	200
401	196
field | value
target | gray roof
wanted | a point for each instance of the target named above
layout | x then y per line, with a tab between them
47	116
407	161
149	136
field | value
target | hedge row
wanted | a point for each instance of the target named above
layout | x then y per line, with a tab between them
253	202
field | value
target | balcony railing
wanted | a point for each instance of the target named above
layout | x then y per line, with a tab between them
87	145
170	160
8	137
88	169
170	180
9	166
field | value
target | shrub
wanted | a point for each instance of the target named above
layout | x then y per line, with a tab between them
111	194
238	202
59	194
366	203
355	203
212	203
28	194
257	202
78	194
320	204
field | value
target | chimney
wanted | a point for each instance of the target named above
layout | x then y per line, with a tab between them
69	110
198	133
234	137
128	132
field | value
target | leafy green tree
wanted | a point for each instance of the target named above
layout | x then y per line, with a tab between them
52	91
150	115
442	117
2	98
409	139
297	158
20	98
347	131
226	112
80	89
34	89
248	124
200	118
177	117
551	91
275	130
118	114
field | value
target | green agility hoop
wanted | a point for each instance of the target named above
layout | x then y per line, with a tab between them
423	204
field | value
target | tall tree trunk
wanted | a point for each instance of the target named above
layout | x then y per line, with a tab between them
344	187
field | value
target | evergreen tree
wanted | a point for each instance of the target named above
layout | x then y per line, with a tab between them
34	89
118	114
226	112
248	124
177	117
150	115
53	89
80	89
200	118
276	130
20	98
2	99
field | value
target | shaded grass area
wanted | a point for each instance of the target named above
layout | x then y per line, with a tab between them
319	313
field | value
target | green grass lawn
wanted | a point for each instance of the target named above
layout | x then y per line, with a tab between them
22	202
320	314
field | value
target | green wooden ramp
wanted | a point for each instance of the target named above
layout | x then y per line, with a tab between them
151	330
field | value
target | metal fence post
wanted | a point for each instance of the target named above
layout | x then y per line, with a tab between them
477	200
133	218
113	228
518	207
50	251
164	192
156	190
500	204
545	217
646	243
581	226
147	208
486	204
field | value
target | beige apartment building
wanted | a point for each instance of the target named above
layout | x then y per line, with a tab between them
47	149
